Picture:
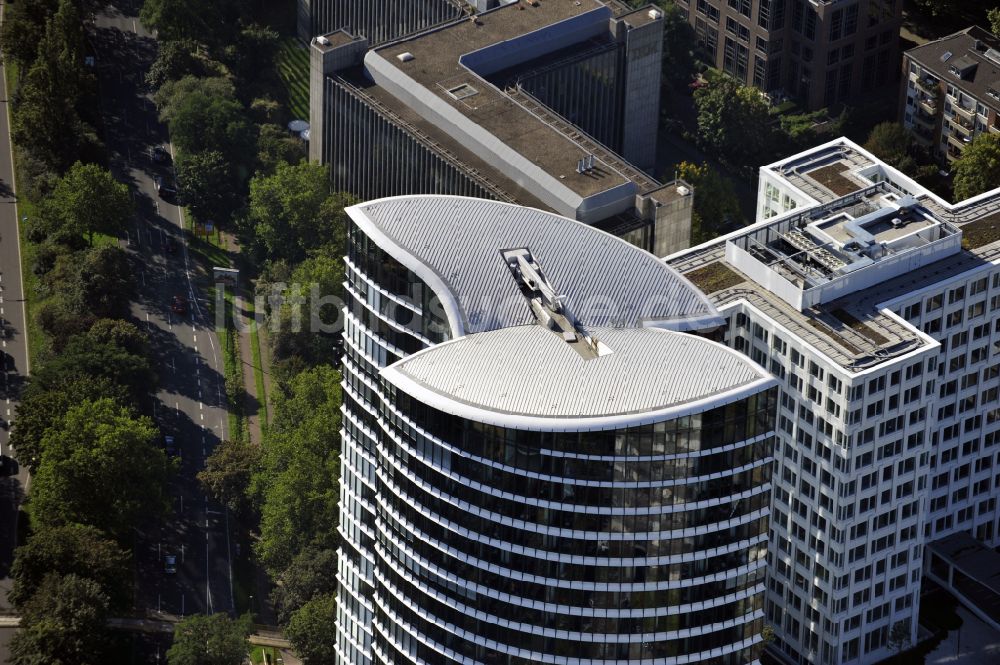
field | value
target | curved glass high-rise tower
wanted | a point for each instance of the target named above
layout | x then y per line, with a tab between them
542	463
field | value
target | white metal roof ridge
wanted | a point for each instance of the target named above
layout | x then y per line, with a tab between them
453	244
527	377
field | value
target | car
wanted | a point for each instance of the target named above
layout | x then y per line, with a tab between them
169	446
160	155
170	564
164	189
171	246
179	305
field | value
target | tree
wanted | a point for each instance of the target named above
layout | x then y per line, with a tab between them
104	283
227	473
893	144
297	484
210	640
313	572
734	122
172	92
293	211
936	8
123	334
899	635
45	121
207	185
306	323
72	549
174	61
101	466
175	20
312	630
64	622
716	205
41	409
84	358
23	28
978	168
88	200
679	44
200	123
994	18
274	147
254	51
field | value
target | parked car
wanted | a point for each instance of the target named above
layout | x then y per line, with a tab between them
170	564
169	446
179	305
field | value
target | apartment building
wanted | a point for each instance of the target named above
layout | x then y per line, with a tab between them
819	52
552	104
877	306
951	91
545	460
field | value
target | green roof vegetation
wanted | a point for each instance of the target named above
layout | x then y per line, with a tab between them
833	179
981	232
857	326
714	277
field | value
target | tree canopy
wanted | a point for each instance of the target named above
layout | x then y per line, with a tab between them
71	549
227	473
88	200
210	640
86	358
64	622
733	121
715	202
293	212
207	185
311	573
297	484
978	169
101	466
310	632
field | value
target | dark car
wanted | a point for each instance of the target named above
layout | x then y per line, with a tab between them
170	564
165	189
179	305
160	155
170	446
171	246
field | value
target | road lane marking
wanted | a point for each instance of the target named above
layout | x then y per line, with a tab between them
200	406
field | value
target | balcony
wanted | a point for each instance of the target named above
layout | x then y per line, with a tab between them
928	84
961	127
958	142
963	112
925	119
928	106
995	129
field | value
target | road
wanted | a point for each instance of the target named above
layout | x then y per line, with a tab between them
13	341
190	402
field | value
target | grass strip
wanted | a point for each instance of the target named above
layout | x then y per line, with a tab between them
258	365
293	69
233	372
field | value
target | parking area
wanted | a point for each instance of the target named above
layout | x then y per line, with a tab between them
975	643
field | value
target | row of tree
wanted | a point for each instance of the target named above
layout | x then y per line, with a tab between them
237	165
82	426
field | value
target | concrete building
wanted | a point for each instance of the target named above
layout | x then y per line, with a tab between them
486	106
820	52
877	306
951	91
379	21
544	460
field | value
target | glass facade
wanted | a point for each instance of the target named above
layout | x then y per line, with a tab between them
472	543
379	20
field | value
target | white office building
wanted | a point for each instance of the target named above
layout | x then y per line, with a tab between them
876	305
545	460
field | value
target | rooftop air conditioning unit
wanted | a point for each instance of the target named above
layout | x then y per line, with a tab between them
323	41
405	57
683	191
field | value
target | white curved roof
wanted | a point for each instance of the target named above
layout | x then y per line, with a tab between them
454	243
527	377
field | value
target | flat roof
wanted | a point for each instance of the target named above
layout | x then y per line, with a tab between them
435	65
850	331
454	244
528	377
